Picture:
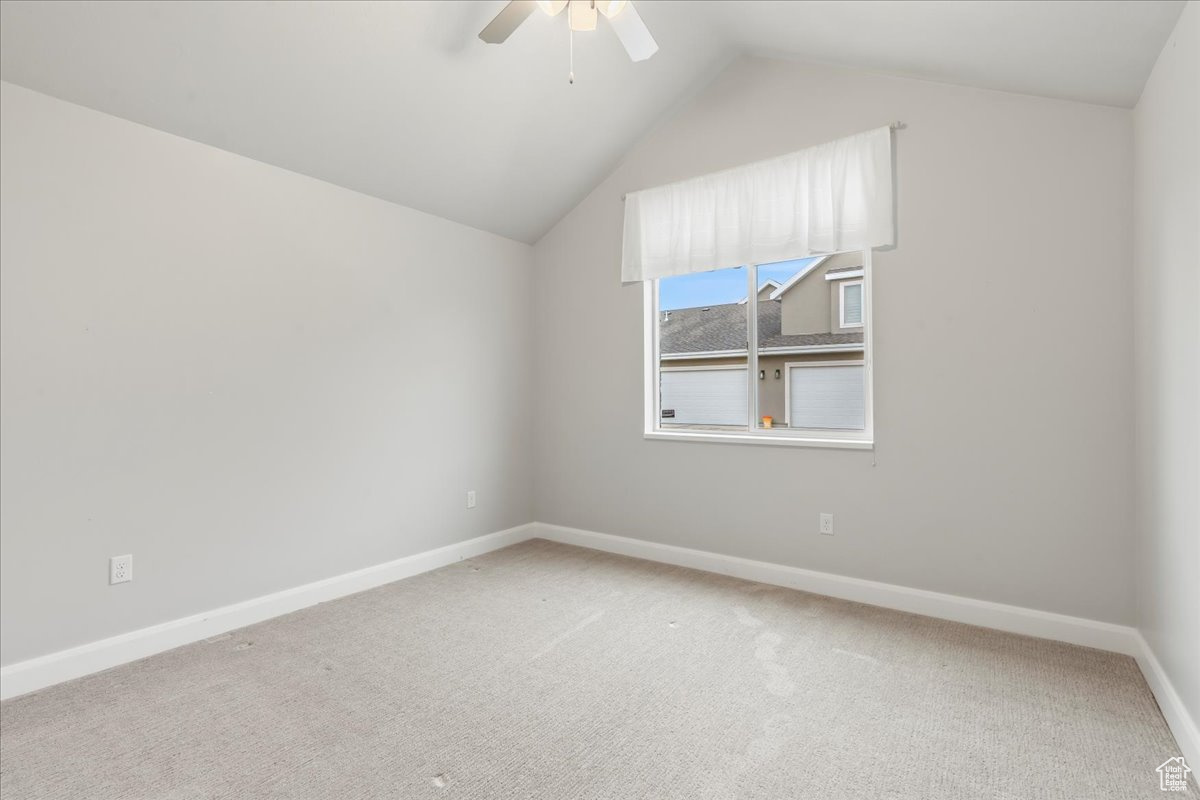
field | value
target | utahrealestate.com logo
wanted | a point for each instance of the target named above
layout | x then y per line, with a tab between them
1172	775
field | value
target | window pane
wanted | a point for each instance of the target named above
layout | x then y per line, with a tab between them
702	351
810	373
852	304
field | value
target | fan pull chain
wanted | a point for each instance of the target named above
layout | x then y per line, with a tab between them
571	74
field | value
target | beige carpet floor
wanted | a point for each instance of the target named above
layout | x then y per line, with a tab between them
547	671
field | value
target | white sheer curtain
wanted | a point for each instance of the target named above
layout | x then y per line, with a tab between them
824	199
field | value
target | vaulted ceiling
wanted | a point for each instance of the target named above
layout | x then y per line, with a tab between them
400	100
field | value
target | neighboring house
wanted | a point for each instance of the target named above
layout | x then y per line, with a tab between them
810	353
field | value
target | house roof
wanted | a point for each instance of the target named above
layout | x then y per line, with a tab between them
768	283
723	328
799	276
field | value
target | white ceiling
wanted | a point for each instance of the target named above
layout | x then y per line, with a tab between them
1095	51
402	101
397	100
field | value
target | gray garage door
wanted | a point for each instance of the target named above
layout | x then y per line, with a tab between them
705	396
827	397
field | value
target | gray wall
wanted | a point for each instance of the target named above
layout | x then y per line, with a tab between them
1167	312
1004	445
247	378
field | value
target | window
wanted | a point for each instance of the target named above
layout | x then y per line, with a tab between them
768	353
851	304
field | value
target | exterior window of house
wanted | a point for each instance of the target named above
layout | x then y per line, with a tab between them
768	353
851	305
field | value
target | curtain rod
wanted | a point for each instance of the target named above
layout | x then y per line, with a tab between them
896	126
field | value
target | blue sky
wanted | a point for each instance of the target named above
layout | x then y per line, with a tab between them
721	286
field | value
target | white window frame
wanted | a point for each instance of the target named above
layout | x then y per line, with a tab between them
811	437
842	303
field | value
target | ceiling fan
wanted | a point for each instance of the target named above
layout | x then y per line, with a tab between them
582	15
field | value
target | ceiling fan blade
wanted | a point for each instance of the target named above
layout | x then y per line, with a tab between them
633	33
507	21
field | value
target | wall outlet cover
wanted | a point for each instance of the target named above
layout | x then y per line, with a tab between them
120	569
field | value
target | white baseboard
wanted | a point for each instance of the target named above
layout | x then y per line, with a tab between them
1015	619
37	673
1176	714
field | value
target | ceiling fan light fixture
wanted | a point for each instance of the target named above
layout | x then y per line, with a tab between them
581	15
610	8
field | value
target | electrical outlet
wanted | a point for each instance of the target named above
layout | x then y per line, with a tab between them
471	499
120	569
827	524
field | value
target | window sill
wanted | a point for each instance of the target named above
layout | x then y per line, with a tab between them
761	439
